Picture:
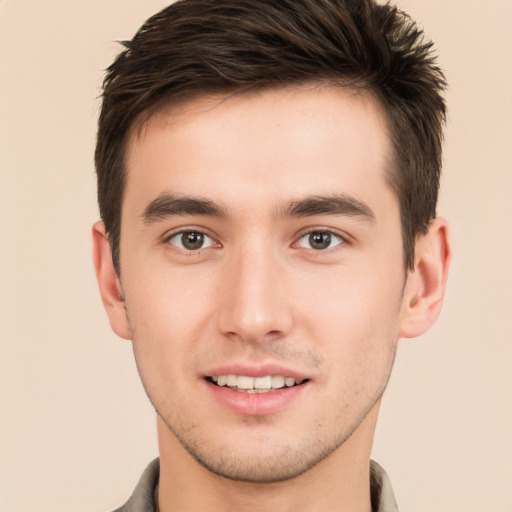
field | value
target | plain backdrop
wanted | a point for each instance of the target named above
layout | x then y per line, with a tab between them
76	429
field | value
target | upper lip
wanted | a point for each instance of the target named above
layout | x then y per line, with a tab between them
256	371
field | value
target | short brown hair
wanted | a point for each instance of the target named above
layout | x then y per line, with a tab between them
196	47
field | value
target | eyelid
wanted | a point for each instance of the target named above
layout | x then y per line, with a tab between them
185	229
169	235
345	239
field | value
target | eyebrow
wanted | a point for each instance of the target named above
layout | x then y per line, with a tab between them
167	205
328	205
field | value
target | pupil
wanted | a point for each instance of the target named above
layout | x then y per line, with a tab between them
192	240
320	240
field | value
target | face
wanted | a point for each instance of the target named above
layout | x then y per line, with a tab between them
262	270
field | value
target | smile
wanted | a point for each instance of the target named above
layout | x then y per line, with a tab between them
245	384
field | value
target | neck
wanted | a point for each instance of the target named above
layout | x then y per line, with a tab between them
340	482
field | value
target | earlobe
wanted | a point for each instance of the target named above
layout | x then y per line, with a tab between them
424	292
108	282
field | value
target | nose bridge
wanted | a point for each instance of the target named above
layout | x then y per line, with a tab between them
255	304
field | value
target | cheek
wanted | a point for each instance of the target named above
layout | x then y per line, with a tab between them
354	316
168	310
363	295
168	315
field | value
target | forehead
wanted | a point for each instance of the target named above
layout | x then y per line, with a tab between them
262	145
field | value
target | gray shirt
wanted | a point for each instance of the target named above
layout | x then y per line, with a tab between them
144	496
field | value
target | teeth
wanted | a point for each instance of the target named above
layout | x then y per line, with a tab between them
263	382
245	382
255	384
289	382
232	380
277	381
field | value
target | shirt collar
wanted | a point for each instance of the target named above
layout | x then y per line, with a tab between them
144	497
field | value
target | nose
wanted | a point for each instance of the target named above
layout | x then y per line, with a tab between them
256	300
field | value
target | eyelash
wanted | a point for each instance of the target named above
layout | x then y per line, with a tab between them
322	231
197	232
330	234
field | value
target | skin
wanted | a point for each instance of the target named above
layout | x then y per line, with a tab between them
259	293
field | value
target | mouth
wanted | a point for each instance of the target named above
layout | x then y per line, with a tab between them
246	384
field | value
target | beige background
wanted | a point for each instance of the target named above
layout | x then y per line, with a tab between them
75	427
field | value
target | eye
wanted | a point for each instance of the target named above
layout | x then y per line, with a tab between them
319	240
190	240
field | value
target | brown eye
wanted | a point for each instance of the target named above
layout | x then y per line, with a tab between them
191	240
319	240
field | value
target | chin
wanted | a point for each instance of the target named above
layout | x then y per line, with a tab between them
259	460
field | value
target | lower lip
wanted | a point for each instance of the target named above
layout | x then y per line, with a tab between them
256	404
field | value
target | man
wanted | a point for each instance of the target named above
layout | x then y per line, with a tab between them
267	180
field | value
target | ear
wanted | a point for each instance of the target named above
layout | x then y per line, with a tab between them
109	283
425	288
